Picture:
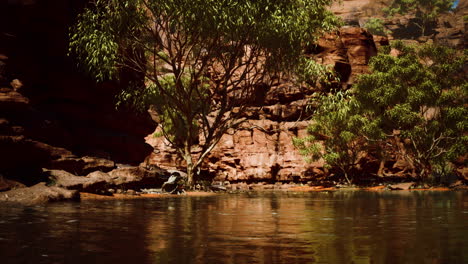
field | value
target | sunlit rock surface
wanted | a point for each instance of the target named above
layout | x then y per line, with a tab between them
38	194
53	117
262	149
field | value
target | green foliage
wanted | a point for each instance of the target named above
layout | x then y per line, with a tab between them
335	133
108	29
313	73
425	10
201	59
376	27
428	8
422	93
418	97
157	134
99	36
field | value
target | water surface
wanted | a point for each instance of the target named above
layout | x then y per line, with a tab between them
339	227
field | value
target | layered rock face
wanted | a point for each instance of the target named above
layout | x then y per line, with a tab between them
449	29
51	115
355	12
262	149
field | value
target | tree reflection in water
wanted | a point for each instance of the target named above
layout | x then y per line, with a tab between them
339	227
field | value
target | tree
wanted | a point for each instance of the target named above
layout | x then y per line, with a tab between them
412	104
200	60
419	97
335	133
426	11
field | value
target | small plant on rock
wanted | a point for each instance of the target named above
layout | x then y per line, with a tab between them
376	27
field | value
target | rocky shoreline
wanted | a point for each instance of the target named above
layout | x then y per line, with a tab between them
131	183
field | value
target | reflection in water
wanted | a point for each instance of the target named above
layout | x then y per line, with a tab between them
341	227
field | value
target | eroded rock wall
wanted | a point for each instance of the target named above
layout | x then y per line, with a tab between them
51	115
449	29
263	150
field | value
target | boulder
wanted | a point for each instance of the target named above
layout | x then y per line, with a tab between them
61	178
136	177
6	184
98	181
95	182
83	165
401	186
38	194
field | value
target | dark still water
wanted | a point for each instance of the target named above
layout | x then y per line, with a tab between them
340	227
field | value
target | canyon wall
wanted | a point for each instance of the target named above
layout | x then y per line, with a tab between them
449	29
262	150
51	115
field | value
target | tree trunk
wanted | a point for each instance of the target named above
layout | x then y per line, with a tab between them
190	179
381	168
347	178
190	166
345	172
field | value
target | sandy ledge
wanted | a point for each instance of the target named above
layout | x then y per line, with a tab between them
92	196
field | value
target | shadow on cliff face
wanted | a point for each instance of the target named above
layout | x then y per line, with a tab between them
413	30
56	117
19	166
62	108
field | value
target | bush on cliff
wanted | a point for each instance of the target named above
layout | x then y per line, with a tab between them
200	60
412	104
335	134
376	26
418	95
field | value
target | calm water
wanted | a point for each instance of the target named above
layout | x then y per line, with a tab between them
343	227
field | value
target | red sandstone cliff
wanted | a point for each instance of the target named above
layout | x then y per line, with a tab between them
263	149
51	116
449	29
